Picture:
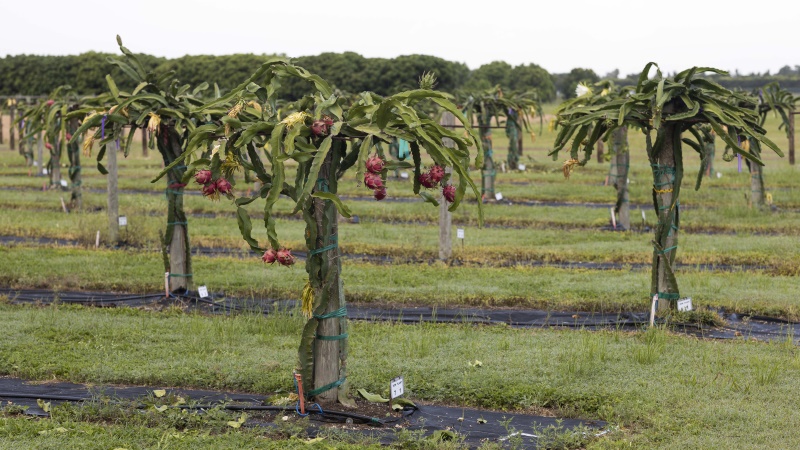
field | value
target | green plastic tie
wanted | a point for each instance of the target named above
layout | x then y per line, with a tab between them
326	388
338	337
180	275
173	191
668	249
177	223
341	312
335	244
322	184
668	296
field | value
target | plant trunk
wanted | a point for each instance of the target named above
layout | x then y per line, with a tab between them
40	154
757	191
619	176
512	131
323	348
2	140
666	160
790	132
113	194
445	216
55	164
711	150
487	171
600	148
11	128
74	155
176	237
144	141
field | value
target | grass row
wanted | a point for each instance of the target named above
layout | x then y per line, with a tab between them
661	390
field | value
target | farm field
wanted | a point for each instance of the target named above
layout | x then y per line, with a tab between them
548	245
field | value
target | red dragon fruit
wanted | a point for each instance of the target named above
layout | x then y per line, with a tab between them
203	177
380	193
223	186
375	164
437	173
373	181
285	257
50	102
328	121
449	193
319	128
210	190
69	137
426	180
48	145
270	256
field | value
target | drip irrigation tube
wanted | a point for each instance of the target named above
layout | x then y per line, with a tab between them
505	201
736	326
384	259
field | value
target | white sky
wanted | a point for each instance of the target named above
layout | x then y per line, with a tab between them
557	34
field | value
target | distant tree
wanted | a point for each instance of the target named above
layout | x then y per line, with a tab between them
531	77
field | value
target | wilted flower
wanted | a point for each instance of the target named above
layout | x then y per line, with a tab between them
294	118
153	123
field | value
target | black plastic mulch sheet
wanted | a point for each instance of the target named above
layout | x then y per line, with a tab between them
737	326
26	393
473	426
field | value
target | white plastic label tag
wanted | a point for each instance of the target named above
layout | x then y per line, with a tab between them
404	175
685	304
460	233
202	291
64	183
498	196
123	221
521	167
397	388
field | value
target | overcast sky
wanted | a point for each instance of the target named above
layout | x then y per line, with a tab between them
558	35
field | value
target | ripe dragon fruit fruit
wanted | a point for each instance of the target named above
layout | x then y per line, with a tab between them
426	180
223	186
210	190
285	257
319	128
449	193
373	181
270	256
437	173
375	164
380	193
202	177
48	145
50	102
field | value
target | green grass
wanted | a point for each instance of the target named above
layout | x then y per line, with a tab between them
663	390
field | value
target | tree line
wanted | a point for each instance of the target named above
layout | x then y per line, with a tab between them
348	72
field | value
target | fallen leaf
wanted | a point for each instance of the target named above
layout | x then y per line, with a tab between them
375	398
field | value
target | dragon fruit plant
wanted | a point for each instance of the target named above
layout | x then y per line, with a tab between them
329	137
669	111
169	110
